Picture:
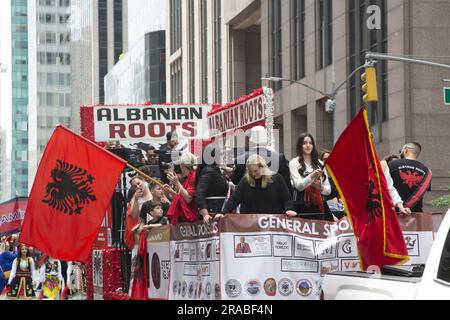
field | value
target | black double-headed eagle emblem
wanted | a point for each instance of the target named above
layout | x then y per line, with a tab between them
70	189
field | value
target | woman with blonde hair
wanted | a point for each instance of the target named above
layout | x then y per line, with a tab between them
183	207
261	191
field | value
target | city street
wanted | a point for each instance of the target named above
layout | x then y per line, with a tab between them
242	150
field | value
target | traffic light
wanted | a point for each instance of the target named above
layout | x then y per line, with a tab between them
369	86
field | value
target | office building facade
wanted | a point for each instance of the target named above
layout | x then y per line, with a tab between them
49	75
139	76
99	35
319	43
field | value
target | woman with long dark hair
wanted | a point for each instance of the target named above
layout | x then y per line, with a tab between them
22	276
309	179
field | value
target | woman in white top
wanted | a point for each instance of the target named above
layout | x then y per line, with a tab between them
22	277
309	180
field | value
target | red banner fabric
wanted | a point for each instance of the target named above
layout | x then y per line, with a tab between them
356	170
73	187
12	213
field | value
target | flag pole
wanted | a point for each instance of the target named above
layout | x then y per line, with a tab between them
150	178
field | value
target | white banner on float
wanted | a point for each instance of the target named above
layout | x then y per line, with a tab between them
279	258
158	248
134	124
194	256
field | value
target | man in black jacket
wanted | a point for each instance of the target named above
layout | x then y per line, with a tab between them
412	179
277	161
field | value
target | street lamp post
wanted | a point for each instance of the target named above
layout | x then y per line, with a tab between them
330	104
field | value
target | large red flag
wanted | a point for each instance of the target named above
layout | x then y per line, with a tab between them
73	187
356	170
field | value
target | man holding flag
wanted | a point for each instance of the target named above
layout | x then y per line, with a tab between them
73	187
357	173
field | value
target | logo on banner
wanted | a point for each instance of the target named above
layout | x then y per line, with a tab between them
350	265
200	289
233	288
156	271
270	287
328	267
217	292
175	287
412	244
286	287
304	287
347	247
253	287
191	290
208	290
70	188
184	289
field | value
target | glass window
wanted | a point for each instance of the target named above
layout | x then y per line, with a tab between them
276	51
299	39
444	265
325	35
218	50
204	50
361	40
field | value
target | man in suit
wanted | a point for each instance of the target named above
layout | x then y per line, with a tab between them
243	247
277	161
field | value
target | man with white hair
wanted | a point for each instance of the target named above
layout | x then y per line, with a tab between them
276	161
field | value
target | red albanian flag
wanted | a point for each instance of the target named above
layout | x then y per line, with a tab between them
356	170
73	187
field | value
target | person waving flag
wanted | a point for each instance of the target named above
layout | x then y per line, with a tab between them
73	187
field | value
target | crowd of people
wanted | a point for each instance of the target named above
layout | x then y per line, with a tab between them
26	274
259	181
262	181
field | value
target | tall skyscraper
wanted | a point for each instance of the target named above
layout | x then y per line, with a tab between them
49	74
19	103
140	76
99	36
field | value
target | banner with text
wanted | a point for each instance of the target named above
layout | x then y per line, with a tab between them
136	124
158	248
242	114
12	213
194	256
266	257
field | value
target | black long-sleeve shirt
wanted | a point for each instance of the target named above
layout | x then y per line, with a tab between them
211	183
274	158
274	199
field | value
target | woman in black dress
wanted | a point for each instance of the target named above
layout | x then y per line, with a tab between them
210	185
261	191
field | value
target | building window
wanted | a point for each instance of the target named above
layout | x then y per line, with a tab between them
443	273
192	51
175	25
361	41
299	39
204	49
118	30
276	54
176	81
218	50
103	46
324	20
